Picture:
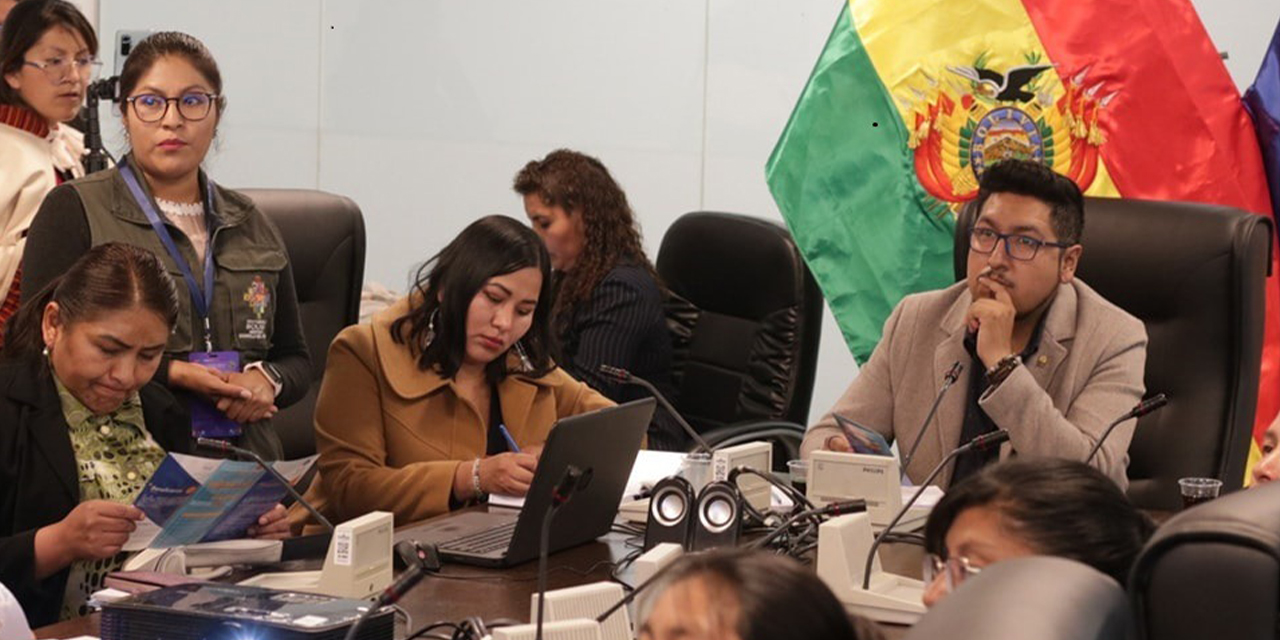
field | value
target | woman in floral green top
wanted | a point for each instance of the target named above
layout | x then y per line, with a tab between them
82	428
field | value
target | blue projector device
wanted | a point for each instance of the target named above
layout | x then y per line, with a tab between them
231	612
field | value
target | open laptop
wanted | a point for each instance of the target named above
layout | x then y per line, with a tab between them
603	444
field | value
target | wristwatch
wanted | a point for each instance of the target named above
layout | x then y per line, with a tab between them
1001	370
270	371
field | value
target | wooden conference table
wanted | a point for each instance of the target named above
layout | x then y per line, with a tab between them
459	591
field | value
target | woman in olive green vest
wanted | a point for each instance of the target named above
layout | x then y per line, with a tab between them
237	352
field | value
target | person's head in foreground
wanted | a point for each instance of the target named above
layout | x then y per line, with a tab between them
745	595
1025	507
1268	468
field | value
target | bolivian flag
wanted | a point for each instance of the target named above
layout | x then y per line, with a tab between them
912	99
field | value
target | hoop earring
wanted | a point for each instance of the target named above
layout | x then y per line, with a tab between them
525	365
431	328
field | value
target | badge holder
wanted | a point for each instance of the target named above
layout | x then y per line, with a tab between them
206	420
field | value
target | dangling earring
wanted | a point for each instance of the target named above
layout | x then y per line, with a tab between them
431	328
525	365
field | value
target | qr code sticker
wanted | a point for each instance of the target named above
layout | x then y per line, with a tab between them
342	548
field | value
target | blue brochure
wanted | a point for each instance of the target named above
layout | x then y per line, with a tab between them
191	499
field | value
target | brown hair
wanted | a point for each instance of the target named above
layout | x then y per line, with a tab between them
582	186
750	587
109	277
169	43
1058	507
26	24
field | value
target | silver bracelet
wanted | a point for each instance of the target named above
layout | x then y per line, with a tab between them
475	480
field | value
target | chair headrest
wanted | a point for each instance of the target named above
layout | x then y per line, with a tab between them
1249	518
702	251
1036	597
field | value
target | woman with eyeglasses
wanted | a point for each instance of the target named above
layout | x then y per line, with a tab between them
47	50
1016	508
237	353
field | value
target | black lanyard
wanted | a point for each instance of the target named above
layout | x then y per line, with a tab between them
202	303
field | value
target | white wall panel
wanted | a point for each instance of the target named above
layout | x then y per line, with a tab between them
1243	29
431	107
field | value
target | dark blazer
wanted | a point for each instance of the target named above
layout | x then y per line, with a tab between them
623	325
38	480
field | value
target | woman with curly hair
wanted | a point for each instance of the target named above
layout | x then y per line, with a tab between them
608	305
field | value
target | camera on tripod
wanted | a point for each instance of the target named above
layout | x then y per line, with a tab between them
97	159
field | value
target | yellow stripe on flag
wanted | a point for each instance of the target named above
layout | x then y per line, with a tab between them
1255	456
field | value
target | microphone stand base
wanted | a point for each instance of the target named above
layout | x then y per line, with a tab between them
843	546
892	598
578	629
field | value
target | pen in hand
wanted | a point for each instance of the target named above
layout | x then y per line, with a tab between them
511	442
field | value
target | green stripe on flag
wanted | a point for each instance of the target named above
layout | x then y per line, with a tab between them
844	179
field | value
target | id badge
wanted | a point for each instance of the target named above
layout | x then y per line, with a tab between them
206	420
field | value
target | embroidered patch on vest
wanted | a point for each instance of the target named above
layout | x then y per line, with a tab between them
258	298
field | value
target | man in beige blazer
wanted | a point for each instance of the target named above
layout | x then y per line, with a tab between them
1045	356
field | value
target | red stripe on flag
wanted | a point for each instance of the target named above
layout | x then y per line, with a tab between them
1176	129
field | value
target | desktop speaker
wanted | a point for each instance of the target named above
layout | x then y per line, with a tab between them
717	519
670	513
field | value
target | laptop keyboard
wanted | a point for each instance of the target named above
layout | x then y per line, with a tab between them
482	542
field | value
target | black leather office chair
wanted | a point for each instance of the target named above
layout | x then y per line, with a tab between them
1213	571
1194	274
1034	597
746	317
324	235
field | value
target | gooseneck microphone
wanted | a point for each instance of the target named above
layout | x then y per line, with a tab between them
559	496
980	443
626	377
227	447
949	379
1141	409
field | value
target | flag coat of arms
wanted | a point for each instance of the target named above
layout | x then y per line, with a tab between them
911	99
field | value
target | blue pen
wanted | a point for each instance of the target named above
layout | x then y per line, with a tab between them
511	442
